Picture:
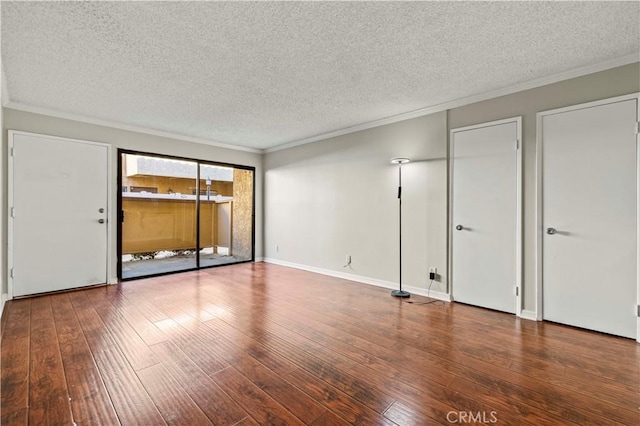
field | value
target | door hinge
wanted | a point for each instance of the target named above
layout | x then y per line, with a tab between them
639	310
13	212
517	144
12	152
11	273
517	291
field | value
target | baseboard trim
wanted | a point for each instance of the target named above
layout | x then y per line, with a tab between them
528	315
362	279
258	259
112	281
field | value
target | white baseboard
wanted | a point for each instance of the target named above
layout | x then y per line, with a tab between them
528	315
259	259
112	281
3	299
361	279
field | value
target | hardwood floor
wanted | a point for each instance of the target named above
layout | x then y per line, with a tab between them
264	344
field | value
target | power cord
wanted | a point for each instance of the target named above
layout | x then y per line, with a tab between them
430	301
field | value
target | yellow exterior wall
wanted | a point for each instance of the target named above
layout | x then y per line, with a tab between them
155	225
242	223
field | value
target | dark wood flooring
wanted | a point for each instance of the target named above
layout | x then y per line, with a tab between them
263	344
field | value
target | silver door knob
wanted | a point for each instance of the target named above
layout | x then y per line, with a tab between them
551	231
459	227
100	220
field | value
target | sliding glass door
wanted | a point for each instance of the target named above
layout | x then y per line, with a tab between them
179	214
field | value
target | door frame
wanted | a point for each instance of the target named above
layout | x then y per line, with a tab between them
199	162
540	191
10	201
518	242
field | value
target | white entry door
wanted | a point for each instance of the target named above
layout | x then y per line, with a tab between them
57	214
589	216
485	183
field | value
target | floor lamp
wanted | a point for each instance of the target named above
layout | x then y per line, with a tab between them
400	161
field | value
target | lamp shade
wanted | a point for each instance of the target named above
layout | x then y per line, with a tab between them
399	160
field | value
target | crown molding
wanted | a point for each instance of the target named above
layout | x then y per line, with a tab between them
565	75
543	81
131	128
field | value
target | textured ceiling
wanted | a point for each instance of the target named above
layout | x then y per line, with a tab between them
261	74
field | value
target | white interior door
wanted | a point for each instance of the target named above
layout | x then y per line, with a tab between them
485	215
58	213
589	217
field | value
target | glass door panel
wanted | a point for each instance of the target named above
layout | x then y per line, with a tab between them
159	215
226	200
242	211
216	194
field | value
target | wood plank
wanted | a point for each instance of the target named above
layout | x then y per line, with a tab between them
215	404
329	419
129	396
239	343
341	404
90	402
258	404
195	345
14	359
402	414
608	391
147	330
129	342
176	406
549	402
130	399
374	398
48	394
297	402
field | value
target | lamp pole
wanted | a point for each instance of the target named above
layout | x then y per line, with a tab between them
400	161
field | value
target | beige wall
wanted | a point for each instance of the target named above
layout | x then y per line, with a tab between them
338	197
37	123
601	85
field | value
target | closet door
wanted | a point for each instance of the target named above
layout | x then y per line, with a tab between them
589	216
485	214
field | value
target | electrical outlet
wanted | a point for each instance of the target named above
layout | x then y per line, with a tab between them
433	273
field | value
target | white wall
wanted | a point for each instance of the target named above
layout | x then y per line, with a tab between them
338	197
37	123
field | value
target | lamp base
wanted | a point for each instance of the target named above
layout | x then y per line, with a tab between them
400	293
